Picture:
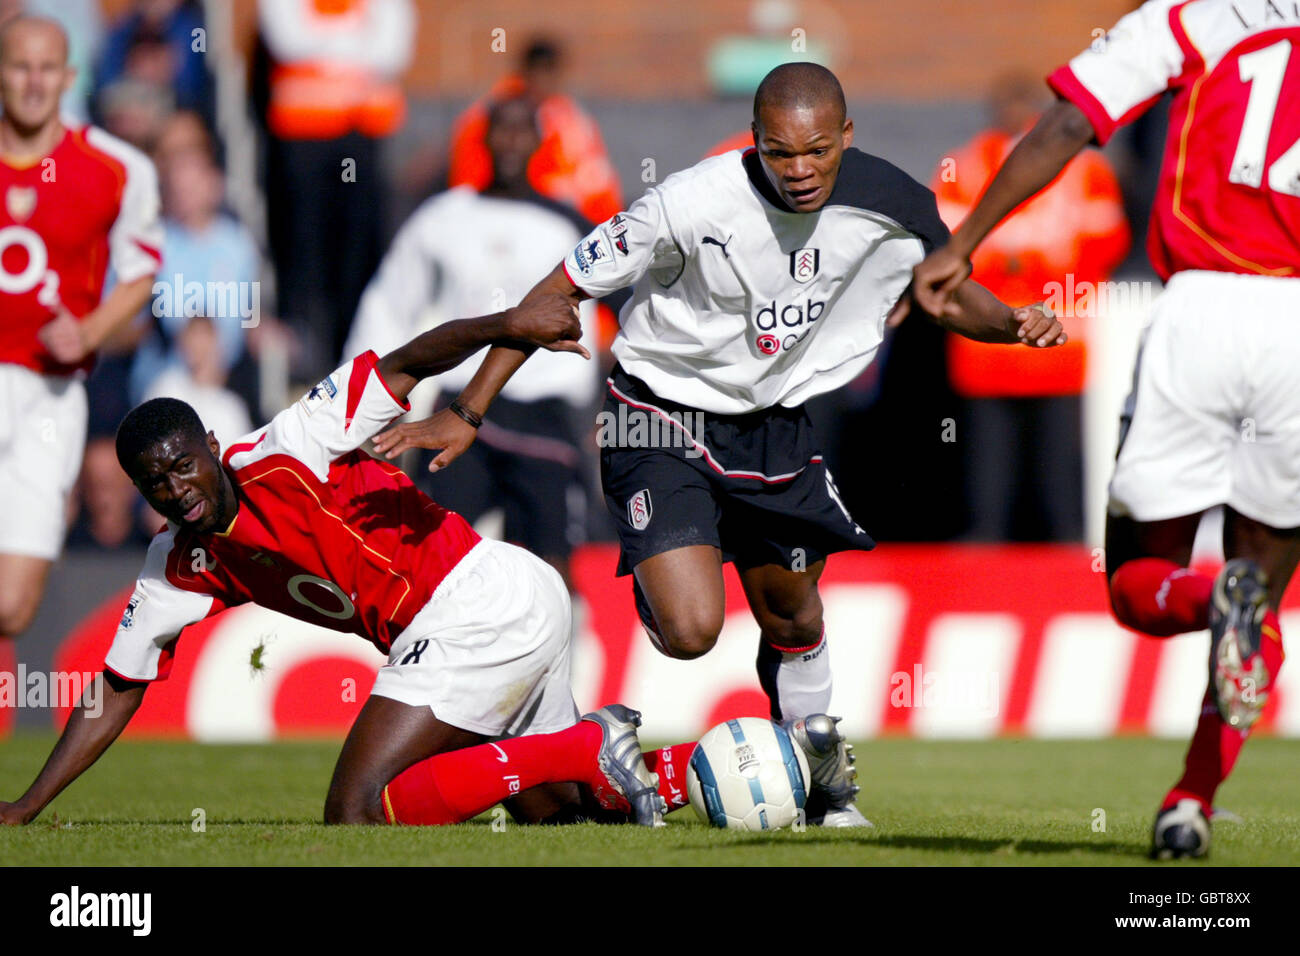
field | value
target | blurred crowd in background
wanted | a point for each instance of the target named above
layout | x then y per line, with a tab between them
301	237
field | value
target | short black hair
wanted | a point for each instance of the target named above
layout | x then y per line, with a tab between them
149	423
800	85
497	108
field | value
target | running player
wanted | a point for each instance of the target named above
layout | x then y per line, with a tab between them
299	519
1214	416
75	201
761	279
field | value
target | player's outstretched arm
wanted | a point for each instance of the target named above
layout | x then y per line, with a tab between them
90	730
1055	139
451	432
978	314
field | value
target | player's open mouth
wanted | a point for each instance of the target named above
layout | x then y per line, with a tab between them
804	196
196	512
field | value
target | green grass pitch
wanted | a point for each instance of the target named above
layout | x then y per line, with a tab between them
995	803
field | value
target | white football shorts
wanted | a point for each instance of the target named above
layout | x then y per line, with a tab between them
1214	415
42	438
490	652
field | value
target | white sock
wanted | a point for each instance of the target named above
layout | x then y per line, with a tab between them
797	684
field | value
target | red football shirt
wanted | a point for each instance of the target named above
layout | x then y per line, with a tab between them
324	533
64	219
1229	193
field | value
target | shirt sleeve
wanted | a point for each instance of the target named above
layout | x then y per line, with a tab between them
135	239
337	416
625	247
154	618
1123	73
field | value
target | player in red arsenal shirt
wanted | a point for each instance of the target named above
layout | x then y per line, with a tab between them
73	201
299	519
1214	417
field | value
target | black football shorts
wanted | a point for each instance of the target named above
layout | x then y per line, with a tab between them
754	485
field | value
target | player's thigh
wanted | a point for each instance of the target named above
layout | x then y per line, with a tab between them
1276	550
388	737
685	591
1180	423
22	583
785	603
666	513
1266	455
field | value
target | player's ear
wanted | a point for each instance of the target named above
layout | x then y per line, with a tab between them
69	78
753	129
214	446
848	132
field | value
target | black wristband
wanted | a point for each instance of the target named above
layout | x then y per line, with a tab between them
471	417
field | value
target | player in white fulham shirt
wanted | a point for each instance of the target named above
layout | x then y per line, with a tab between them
760	279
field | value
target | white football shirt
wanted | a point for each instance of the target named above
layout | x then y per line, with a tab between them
740	303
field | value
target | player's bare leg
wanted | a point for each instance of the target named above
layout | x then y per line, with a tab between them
794	670
686	600
793	665
22	584
388	737
1152	590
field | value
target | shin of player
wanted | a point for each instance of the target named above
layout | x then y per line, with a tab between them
456	786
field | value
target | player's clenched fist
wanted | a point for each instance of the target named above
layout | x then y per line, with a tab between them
1038	327
548	319
64	338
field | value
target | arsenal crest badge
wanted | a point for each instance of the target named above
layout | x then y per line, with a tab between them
20	202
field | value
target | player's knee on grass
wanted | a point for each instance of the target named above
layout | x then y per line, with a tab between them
354	806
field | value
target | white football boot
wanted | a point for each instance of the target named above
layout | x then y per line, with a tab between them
830	760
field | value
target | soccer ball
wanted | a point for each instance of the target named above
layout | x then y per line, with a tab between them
747	774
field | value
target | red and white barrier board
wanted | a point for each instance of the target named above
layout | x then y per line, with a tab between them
931	641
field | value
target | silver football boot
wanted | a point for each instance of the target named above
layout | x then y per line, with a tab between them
623	767
830	760
1238	605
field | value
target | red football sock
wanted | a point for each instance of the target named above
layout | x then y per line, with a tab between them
455	786
1160	598
670	763
1216	746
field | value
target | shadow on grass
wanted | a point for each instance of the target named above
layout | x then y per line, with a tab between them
992	846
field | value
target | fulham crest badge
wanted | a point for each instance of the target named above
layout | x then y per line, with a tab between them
639	509
804	264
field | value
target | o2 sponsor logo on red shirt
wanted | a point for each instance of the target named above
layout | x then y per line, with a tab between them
34	273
